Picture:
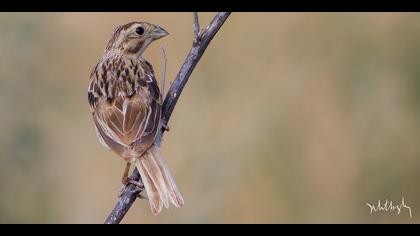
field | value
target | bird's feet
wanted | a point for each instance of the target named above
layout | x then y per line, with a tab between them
127	181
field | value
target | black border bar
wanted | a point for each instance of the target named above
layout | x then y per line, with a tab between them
211	5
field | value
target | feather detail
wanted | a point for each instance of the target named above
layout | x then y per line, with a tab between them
158	181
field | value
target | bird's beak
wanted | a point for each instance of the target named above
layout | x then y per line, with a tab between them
158	33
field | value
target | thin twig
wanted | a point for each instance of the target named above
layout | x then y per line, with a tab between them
165	61
196	25
130	193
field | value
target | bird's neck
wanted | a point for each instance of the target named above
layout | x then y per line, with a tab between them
117	53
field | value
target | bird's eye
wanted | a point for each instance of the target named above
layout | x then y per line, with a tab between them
140	30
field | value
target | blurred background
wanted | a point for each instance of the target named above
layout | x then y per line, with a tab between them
288	118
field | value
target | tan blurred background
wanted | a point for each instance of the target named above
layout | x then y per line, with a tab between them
288	118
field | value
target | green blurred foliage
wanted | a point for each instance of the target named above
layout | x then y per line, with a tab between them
288	118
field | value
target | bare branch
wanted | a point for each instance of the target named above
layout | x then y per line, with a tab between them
165	61
196	25
130	193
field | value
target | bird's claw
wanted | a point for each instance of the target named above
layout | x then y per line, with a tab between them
126	181
165	127
142	195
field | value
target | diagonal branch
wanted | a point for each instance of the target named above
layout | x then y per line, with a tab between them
200	43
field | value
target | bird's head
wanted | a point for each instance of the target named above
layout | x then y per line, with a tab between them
133	38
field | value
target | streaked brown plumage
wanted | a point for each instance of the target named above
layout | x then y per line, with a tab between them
126	104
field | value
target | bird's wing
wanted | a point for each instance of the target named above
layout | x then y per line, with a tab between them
151	124
128	122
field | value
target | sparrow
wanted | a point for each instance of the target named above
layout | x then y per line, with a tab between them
126	105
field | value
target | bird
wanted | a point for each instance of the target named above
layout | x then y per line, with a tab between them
126	105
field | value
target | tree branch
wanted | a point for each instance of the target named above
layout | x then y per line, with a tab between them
200	43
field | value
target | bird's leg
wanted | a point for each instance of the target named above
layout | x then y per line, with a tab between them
126	180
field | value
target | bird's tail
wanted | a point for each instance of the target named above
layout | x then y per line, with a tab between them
158	182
